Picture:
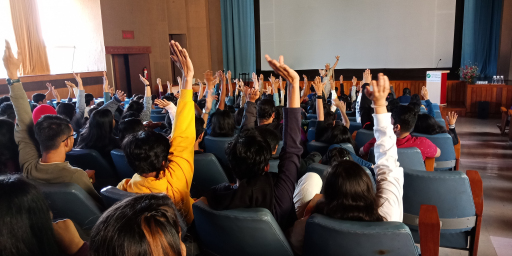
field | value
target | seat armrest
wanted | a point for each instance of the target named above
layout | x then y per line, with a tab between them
430	230
430	163
475	181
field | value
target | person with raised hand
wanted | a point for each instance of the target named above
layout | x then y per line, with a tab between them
53	133
167	165
428	103
75	115
221	122
328	74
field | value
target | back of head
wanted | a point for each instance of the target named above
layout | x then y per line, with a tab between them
335	155
405	116
146	151
130	114
50	130
329	116
38	97
138	98
406	92
129	126
42	110
223	124
8	146
25	219
266	109
338	134
97	134
89	99
4	99
415	98
7	111
427	124
66	110
270	135
100	104
147	224
199	126
135	106
392	104
248	154
348	194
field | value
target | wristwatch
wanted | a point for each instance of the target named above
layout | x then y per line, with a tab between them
205	112
11	82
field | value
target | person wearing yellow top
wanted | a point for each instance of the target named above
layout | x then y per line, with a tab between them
160	166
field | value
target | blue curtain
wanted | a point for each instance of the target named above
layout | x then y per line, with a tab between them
481	35
238	36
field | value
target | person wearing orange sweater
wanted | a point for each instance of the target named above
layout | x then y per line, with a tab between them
160	166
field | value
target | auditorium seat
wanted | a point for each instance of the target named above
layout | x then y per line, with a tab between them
273	165
362	137
441	121
315	146
248	232
311	134
327	236
158	118
438	115
447	159
70	201
217	146
89	159
311	117
207	173
409	158
124	171
345	145
354	126
279	147
112	195
157	111
459	201
311	123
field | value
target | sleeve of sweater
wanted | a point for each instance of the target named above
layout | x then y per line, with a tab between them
453	133
146	113
106	97
79	116
112	104
276	99
230	100
430	110
289	163
249	118
389	174
319	130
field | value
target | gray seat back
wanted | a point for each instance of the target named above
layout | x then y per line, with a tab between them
362	137
409	158
123	168
112	195
207	173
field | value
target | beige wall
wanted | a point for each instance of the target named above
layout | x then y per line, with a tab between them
153	20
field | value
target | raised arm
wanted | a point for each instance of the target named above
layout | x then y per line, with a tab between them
249	118
342	106
336	63
428	103
306	90
107	90
319	88
146	113
222	100
200	93
389	174
115	101
283	91
70	86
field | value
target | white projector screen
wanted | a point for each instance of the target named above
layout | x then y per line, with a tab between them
365	33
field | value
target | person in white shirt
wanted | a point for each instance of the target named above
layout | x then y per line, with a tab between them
327	75
348	190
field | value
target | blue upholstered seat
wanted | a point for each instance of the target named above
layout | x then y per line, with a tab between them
362	137
89	159
409	158
124	171
112	195
444	142
207	173
158	117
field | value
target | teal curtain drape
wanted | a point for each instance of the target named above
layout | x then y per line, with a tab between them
481	35
238	36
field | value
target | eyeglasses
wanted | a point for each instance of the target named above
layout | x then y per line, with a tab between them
74	134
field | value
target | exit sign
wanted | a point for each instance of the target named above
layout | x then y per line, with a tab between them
128	34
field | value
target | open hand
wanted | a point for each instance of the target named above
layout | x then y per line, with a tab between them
452	118
11	63
318	85
283	70
367	76
341	105
162	103
70	85
255	81
78	79
338	57
143	80
180	57
105	82
121	95
254	95
424	92
380	91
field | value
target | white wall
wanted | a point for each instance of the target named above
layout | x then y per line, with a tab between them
365	33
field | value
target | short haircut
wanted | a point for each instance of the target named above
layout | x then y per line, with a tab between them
392	104
248	154
38	97
199	126
270	135
130	114
223	124
329	116
50	130
88	98
337	134
406	91
146	151
335	155
129	126
4	99
405	116
266	109
100	104
135	106
66	110
7	111
138	98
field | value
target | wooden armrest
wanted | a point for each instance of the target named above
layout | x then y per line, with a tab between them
430	163
475	181
354	135
312	204
503	109
430	230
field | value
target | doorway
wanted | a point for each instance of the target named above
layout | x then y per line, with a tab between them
127	68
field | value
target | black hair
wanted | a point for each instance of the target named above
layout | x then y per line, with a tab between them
66	110
199	126
270	135
130	114
135	106
348	194
427	124
7	111
329	116
38	97
248	154
138	98
335	155
338	134
25	219
146	151
146	224
415	98
266	109
239	116
4	99
201	103
390	97
406	91
170	98
98	133
392	104
88	99
50	130
223	124
9	157
129	126
405	116
312	89
100	104
279	114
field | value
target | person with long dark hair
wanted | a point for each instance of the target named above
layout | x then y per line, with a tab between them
129	126
406	96
9	158
426	124
98	134
26	222
348	192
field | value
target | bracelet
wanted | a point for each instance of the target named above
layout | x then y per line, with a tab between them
376	106
319	97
